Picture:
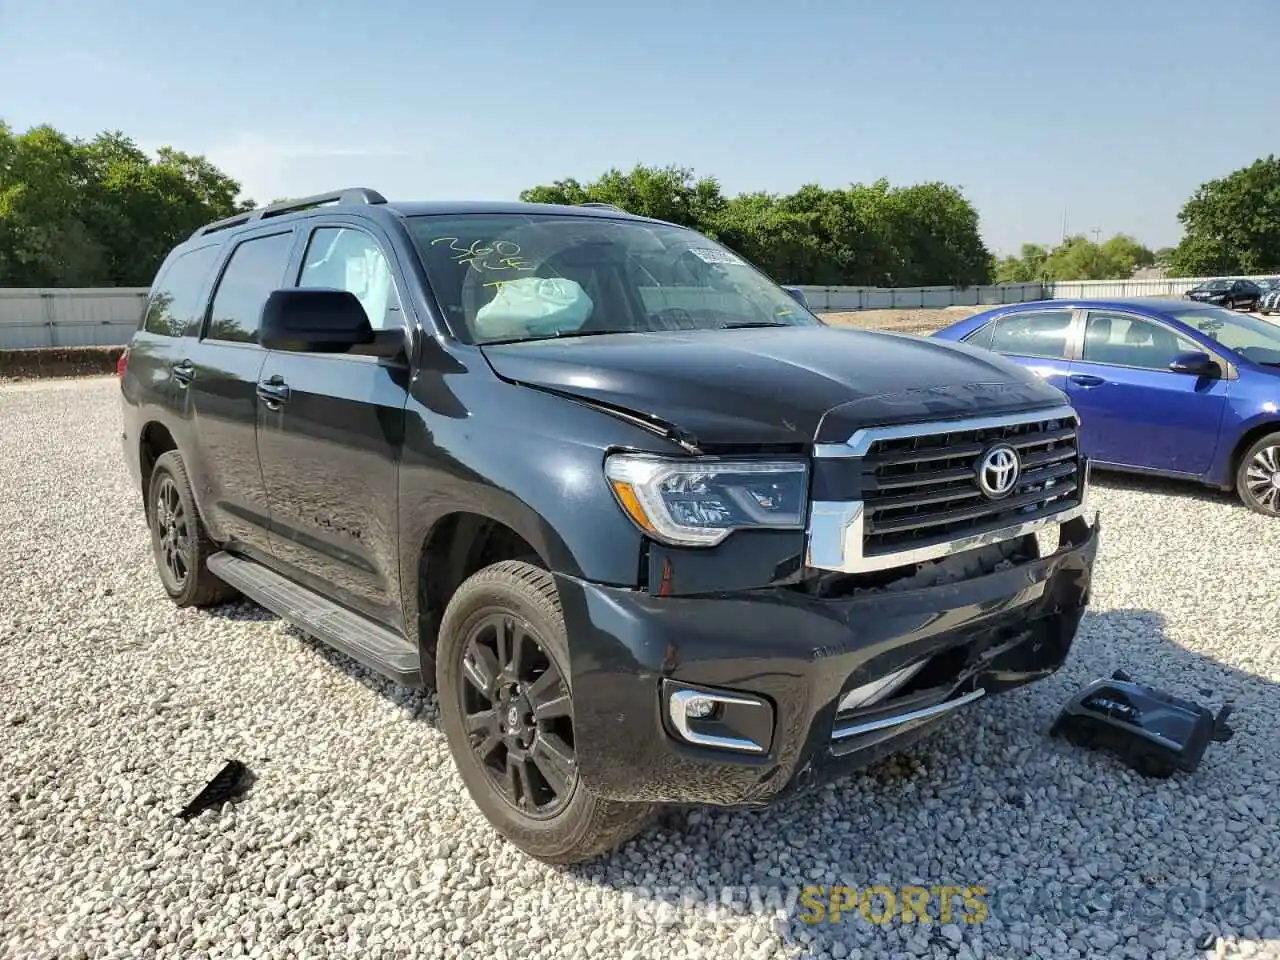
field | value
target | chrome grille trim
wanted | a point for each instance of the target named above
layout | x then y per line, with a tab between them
838	529
861	441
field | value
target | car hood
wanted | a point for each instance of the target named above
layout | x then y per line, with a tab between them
793	385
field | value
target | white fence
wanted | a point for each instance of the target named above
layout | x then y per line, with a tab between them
832	299
1095	289
107	317
72	317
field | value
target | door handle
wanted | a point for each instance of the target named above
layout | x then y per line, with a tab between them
1086	380
273	392
184	371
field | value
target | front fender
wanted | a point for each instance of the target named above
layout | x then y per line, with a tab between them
1251	421
528	460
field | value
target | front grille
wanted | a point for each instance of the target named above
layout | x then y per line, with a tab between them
923	490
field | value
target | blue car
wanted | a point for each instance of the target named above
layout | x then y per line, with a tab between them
1169	387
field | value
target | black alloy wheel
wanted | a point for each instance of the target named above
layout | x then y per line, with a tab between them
502	666
173	533
178	538
519	716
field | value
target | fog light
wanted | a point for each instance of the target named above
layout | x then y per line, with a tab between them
699	707
719	719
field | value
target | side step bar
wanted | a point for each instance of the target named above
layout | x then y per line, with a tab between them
371	644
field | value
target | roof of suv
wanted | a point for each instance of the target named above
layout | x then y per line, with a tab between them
354	198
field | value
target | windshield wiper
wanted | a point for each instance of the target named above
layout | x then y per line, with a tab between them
755	323
565	335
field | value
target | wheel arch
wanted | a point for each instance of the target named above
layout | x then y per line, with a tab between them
457	545
154	441
1248	438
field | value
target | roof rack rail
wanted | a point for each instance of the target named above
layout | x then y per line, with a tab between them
350	195
603	206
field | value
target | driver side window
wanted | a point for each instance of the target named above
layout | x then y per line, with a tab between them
1124	340
344	258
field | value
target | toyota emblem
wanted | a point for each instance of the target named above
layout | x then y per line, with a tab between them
998	471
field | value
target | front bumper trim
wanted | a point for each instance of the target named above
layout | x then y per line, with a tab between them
912	716
836	537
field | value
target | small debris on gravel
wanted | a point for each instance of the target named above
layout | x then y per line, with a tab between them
229	783
362	842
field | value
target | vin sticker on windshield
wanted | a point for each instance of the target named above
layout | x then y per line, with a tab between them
708	255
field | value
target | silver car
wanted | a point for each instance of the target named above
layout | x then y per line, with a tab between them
1269	302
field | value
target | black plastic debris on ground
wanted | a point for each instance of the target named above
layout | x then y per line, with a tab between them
1153	732
229	783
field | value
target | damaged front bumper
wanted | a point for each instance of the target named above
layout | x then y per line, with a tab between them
735	698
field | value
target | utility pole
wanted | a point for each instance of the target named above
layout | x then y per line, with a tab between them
1064	223
1096	234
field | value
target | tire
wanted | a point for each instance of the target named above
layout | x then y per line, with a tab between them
518	601
1256	482
178	538
1228	304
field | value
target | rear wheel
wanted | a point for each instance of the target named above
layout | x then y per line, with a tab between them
182	547
506	705
1258	476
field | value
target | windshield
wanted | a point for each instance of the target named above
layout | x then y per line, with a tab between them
1254	339
511	277
1214	285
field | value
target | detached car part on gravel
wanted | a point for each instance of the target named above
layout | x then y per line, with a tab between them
1155	733
655	532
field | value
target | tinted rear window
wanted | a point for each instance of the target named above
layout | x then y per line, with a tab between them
256	268
178	295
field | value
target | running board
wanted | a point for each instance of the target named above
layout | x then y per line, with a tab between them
346	631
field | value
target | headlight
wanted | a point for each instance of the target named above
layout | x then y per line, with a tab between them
697	503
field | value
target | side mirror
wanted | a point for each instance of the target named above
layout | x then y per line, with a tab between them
314	321
1195	363
797	295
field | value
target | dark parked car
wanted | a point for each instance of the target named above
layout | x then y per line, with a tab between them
1162	386
654	532
1232	294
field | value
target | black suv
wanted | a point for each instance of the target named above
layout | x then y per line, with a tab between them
654	531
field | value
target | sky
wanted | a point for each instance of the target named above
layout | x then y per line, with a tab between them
1112	111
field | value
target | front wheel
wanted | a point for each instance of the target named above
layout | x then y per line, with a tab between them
506	705
1228	304
1258	476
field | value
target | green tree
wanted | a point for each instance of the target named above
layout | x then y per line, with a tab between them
99	212
1232	225
43	240
1076	258
665	193
1028	267
873	234
1124	255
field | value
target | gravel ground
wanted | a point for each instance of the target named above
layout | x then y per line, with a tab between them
903	321
359	840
